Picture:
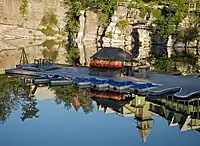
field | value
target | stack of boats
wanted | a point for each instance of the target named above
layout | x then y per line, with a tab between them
95	83
113	85
53	80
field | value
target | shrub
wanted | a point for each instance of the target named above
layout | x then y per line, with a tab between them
23	7
109	34
165	65
73	55
48	31
123	24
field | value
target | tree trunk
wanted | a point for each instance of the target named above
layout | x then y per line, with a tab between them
58	29
185	47
97	38
197	48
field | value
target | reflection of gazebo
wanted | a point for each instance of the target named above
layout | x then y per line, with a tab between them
115	105
113	62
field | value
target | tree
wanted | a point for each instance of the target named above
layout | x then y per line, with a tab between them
66	94
15	94
189	35
73	56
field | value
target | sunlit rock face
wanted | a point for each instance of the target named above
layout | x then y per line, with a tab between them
20	26
15	12
91	37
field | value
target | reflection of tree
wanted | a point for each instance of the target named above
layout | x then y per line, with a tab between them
29	108
66	94
5	109
49	51
13	94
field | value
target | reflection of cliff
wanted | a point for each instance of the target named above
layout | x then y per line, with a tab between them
11	51
20	26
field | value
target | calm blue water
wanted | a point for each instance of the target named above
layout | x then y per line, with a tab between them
57	126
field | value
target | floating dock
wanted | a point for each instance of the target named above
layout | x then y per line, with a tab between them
156	85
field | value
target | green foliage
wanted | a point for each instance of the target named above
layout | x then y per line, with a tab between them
168	18
123	24
49	21
190	34
168	65
103	19
48	31
156	13
165	65
109	34
104	9
63	32
14	95
66	94
49	18
73	55
49	51
190	59
23	7
164	27
144	9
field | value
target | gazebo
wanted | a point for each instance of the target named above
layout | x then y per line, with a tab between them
111	62
115	62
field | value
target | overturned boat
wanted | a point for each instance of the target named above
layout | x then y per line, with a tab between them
162	90
60	81
81	82
43	79
118	86
99	84
139	88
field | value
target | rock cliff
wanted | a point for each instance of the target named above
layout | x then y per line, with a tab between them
126	30
20	26
130	30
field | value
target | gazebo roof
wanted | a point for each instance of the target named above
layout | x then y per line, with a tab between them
111	53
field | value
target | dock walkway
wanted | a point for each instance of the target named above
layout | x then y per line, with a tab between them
189	85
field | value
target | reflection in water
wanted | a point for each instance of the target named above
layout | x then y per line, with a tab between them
185	114
29	109
78	98
13	95
182	113
51	48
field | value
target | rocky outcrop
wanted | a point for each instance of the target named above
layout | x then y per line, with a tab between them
90	37
80	37
126	30
29	15
87	36
145	44
20	25
115	36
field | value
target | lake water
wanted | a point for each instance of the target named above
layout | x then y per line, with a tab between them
71	116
